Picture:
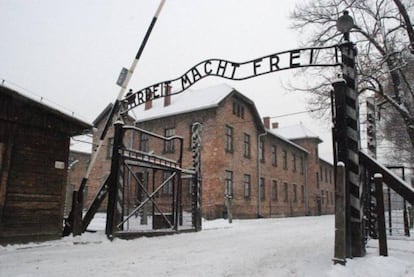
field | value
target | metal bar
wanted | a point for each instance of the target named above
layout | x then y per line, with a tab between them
406	224
93	208
154	171
382	234
174	204
389	211
129	127
148	199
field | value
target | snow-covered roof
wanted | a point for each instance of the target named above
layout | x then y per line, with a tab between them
298	131
286	140
188	101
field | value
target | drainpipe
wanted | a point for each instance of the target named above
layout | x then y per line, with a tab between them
306	186
259	200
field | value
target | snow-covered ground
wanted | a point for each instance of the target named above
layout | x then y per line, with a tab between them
301	246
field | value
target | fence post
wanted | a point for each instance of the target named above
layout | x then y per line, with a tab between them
382	235
77	213
406	220
196	183
340	226
113	214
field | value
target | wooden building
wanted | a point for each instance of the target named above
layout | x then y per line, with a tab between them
34	151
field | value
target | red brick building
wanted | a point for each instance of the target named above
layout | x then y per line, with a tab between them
34	150
266	173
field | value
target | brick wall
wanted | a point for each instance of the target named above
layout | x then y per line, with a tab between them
77	166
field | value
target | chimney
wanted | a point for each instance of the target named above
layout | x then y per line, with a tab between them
167	97
266	122
275	125
148	103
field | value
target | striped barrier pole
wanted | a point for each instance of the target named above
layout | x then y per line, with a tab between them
354	217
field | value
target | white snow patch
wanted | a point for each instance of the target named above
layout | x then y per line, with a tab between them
301	246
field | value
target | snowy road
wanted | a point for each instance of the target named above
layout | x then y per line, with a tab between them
301	246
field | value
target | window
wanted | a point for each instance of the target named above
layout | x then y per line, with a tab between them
322	197
144	142
261	151
168	187
228	183
327	197
295	196
169	145
302	165
321	174
317	180
246	186
238	110
326	175
286	192
316	154
294	162
274	190
229	139
274	155
285	159
302	191
109	148
247	145
190	187
262	189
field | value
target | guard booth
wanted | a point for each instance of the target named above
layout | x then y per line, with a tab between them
34	151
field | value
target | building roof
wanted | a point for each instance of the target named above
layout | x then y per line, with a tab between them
286	140
188	101
295	132
78	126
103	114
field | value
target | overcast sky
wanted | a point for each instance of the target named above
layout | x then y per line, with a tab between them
71	52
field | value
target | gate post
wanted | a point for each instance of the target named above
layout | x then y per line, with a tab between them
382	235
196	183
340	231
352	138
115	205
348	147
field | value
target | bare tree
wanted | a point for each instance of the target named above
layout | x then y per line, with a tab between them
384	38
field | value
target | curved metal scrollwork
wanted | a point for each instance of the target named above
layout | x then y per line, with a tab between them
303	57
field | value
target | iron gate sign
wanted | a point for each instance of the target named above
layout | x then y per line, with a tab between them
303	57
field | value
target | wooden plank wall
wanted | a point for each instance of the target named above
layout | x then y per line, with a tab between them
31	190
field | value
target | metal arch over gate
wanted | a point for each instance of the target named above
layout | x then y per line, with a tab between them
302	57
